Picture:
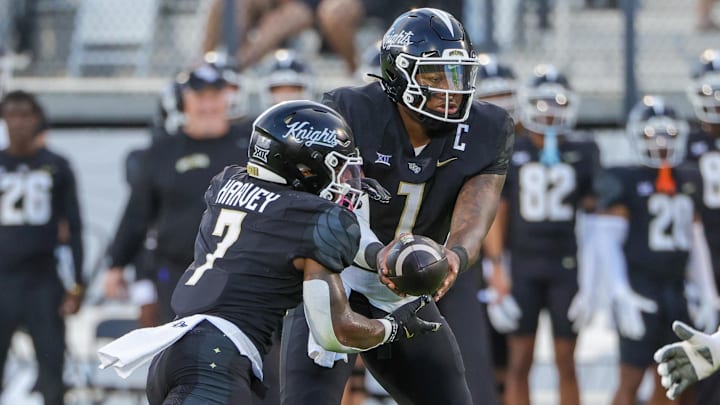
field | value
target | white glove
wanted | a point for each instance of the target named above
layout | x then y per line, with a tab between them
628	307
703	308
683	363
581	310
504	314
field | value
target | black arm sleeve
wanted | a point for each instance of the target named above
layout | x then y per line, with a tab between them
71	212
140	212
337	239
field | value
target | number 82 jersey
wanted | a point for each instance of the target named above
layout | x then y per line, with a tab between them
543	199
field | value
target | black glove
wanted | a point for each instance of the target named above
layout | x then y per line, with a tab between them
406	324
374	190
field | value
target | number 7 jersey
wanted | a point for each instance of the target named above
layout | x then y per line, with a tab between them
248	237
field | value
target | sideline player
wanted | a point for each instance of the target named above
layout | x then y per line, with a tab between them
645	259
550	178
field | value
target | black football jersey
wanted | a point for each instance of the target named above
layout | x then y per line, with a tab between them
704	150
173	173
35	193
660	225
543	199
423	187
249	235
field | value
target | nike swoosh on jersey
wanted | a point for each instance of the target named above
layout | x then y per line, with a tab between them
408	334
441	163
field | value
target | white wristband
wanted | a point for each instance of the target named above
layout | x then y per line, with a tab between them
388	329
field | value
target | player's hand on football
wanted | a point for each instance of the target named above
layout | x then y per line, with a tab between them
114	285
628	307
375	190
454	265
406	323
683	363
382	269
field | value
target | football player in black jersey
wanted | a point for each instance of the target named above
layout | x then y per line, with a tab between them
550	178
443	157
649	232
704	150
37	195
273	235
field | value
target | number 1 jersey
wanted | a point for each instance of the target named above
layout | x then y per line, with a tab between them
424	185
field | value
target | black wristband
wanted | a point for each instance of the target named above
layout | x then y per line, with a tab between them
463	255
371	252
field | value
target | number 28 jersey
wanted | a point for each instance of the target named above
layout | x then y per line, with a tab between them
543	199
424	187
249	235
660	225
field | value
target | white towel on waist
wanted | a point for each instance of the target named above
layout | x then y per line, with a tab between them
136	348
322	357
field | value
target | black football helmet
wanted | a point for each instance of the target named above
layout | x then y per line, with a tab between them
309	147
426	53
547	103
286	69
496	83
704	91
657	133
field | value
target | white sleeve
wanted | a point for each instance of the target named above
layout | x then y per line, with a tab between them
700	270
369	243
611	232
587	251
316	301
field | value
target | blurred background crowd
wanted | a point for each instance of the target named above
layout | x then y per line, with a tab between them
117	76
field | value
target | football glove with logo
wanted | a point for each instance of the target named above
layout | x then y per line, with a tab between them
406	324
683	363
375	190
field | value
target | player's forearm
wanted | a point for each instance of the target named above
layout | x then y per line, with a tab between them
355	331
333	324
474	213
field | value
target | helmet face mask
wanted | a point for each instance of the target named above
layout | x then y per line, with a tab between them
704	95
428	65
344	188
548	107
287	78
658	137
439	88
659	140
309	147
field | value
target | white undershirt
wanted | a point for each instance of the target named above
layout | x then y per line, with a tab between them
419	149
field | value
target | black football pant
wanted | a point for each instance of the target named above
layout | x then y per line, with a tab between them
202	368
32	299
425	370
